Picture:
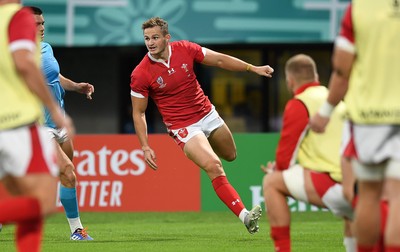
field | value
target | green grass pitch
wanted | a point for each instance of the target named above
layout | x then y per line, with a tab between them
183	231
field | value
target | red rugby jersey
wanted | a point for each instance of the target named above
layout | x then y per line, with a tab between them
173	85
22	30
346	30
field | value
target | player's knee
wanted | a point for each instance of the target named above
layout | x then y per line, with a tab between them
213	168
231	156
67	171
269	183
68	178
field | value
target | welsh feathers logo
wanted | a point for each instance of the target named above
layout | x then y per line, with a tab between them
183	132
160	82
185	67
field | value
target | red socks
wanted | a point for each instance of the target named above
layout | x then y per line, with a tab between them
392	249
19	209
362	248
281	238
29	235
25	212
227	194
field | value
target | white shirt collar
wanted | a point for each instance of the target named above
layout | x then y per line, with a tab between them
161	60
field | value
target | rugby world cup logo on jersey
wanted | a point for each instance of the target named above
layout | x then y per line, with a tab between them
160	82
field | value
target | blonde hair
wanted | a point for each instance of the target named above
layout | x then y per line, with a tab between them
302	68
156	21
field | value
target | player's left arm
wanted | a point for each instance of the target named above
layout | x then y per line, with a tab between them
213	58
80	87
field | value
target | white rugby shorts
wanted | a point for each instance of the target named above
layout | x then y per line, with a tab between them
206	126
333	198
27	150
374	150
60	135
335	201
294	181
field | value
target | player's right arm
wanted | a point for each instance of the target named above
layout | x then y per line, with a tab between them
139	105
294	124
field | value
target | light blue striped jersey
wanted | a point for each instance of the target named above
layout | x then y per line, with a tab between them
51	71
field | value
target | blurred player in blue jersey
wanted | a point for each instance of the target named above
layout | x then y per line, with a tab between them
65	150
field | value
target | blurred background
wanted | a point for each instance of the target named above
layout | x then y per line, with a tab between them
101	41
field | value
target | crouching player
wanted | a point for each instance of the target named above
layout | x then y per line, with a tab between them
307	165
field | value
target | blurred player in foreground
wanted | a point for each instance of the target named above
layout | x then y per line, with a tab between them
28	166
65	150
307	166
166	75
350	187
366	72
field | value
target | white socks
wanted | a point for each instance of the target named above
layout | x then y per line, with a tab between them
350	244
74	223
243	214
